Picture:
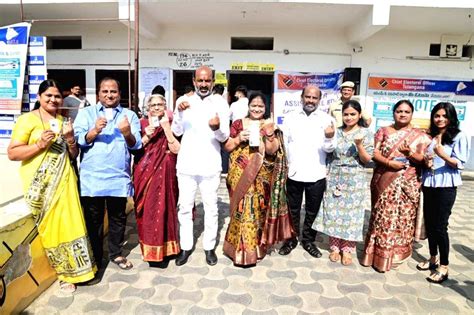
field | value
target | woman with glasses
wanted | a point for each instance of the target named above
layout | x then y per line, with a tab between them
156	185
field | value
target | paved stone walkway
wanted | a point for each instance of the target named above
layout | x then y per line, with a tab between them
295	284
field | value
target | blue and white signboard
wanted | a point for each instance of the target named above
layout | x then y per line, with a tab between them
13	50
36	71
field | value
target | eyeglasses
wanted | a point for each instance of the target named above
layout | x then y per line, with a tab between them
157	105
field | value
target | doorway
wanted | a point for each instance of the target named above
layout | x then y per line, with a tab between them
253	81
122	77
181	80
67	78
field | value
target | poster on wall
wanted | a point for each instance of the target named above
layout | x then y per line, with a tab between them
13	49
288	87
424	93
36	71
151	77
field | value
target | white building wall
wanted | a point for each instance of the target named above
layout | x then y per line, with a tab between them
319	50
311	50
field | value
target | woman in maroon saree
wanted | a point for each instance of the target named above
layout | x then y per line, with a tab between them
156	186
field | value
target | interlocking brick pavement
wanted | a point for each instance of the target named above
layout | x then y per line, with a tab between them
293	284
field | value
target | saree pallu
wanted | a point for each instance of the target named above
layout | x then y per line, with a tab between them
395	205
259	214
54	201
156	198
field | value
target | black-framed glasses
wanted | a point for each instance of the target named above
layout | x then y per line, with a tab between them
157	105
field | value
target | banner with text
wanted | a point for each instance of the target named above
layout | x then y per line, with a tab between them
13	49
424	93
289	85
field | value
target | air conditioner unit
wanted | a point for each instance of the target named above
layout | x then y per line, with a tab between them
451	45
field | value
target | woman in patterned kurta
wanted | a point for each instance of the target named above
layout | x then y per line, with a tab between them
256	180
342	215
395	188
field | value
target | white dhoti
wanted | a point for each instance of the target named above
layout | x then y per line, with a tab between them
188	185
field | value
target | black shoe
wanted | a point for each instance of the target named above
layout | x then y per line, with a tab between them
182	257
211	257
288	247
312	250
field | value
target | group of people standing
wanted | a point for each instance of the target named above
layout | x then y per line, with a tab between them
319	155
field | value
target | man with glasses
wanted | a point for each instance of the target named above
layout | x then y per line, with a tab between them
202	120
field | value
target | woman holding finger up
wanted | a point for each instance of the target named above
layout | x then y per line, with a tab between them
156	185
395	190
259	216
45	145
342	215
445	159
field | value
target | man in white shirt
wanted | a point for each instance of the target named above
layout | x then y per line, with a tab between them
309	135
240	108
202	120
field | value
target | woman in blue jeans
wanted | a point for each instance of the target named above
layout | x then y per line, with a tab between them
445	159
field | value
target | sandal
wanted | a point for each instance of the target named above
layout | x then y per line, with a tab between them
312	250
287	247
334	256
427	265
439	276
122	263
346	259
67	287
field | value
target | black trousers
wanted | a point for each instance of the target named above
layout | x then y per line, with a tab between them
94	209
313	193
437	206
225	160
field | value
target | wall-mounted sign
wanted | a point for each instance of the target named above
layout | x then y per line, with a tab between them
252	66
192	60
424	93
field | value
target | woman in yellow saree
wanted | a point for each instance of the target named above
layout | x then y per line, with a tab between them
44	145
256	180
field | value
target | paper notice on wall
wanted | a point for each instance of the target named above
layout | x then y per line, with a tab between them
151	77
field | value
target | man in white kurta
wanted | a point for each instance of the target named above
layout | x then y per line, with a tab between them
202	120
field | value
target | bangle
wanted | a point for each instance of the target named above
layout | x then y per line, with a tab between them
38	145
171	142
